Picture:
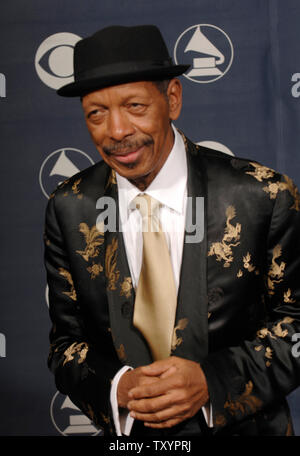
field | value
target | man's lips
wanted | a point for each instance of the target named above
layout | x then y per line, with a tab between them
128	157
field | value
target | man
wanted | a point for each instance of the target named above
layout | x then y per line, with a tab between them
195	341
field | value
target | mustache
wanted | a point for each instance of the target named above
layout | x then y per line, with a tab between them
127	146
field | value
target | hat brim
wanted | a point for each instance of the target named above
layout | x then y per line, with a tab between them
85	86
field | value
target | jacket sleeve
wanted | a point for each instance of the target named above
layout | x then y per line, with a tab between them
245	379
81	372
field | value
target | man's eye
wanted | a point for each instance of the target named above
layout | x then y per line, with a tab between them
136	107
95	114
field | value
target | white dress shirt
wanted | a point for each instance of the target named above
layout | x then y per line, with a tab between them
170	188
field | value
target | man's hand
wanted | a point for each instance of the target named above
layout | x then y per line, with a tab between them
168	392
129	380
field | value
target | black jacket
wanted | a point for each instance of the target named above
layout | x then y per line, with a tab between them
238	300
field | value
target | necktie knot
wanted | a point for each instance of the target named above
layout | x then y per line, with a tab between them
148	208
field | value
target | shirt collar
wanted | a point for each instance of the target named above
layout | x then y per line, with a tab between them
168	187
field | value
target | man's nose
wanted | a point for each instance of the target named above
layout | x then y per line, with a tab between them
119	126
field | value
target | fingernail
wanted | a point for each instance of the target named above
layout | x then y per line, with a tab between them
132	414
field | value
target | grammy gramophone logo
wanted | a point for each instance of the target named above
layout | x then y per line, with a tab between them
68	420
60	165
209	51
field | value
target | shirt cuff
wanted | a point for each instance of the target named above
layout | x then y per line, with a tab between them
207	412
122	420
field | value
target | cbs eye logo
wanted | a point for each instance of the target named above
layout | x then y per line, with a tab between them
54	59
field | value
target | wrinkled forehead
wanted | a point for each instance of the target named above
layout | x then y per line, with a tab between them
144	89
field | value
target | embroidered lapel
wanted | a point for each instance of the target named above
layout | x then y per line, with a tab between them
190	338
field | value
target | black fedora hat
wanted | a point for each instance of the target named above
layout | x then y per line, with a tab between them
118	54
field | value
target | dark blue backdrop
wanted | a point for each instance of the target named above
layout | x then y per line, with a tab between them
242	96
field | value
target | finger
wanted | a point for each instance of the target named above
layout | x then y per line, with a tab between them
151	405
154	389
176	398
169	372
162	415
145	380
158	367
165	424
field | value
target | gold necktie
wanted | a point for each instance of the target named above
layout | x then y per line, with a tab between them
156	297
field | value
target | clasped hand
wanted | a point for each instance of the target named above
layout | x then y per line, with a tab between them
164	393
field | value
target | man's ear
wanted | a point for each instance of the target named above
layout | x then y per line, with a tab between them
174	94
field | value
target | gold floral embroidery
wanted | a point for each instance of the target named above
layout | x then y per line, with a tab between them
232	232
291	187
247	264
111	271
67	275
239	274
65	182
176	341
268	355
121	353
126	287
264	332
277	329
260	172
81	349
75	188
223	249
105	418
95	270
276	271
112	179
274	187
287	297
93	239
220	420
90	413
246	400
